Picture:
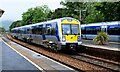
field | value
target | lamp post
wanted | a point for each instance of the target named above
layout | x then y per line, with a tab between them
1	12
80	13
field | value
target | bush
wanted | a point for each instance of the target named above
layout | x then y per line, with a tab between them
101	38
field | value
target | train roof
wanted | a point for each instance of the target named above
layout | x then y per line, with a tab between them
54	20
101	23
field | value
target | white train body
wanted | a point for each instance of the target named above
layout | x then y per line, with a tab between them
57	34
89	31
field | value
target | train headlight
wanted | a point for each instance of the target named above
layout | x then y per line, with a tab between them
79	38
63	38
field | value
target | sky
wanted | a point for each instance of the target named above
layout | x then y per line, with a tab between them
14	8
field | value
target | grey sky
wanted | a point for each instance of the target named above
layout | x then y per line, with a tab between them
14	8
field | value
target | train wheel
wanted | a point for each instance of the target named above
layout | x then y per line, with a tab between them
54	47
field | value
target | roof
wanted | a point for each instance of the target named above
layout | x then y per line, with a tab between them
101	23
54	20
1	12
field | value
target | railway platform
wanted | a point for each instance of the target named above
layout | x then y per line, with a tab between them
18	58
12	61
114	46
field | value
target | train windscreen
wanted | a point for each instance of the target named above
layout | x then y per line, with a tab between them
72	29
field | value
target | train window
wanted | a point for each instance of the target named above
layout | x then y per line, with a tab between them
83	30
34	29
66	29
27	30
51	29
24	31
39	29
48	28
113	30
70	29
44	30
103	29
18	31
75	29
93	29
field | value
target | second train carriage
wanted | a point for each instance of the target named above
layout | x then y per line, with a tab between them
56	34
89	31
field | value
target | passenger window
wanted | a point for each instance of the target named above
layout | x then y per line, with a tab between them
83	30
113	30
48	28
93	29
51	29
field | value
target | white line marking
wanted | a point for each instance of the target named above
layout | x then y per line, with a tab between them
55	61
24	57
102	47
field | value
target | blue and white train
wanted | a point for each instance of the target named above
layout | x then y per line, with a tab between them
89	31
56	34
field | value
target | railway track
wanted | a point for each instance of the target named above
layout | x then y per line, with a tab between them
82	57
107	64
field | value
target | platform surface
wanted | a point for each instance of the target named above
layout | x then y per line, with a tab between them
45	63
115	46
12	61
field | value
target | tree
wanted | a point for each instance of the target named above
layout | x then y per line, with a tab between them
93	15
110	10
2	29
70	9
59	13
35	15
15	24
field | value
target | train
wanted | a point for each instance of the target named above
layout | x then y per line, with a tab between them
58	34
89	31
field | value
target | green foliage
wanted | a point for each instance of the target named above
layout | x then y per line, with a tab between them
93	15
110	10
101	38
70	9
95	12
15	24
35	15
2	29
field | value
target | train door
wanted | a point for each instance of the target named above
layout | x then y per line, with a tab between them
39	33
51	32
83	32
104	28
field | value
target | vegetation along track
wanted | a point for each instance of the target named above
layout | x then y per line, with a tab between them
71	60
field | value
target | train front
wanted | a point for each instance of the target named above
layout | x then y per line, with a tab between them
70	33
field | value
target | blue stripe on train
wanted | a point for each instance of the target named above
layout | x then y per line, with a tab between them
57	34
43	36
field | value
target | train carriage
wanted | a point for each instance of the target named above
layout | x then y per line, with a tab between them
89	31
62	33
